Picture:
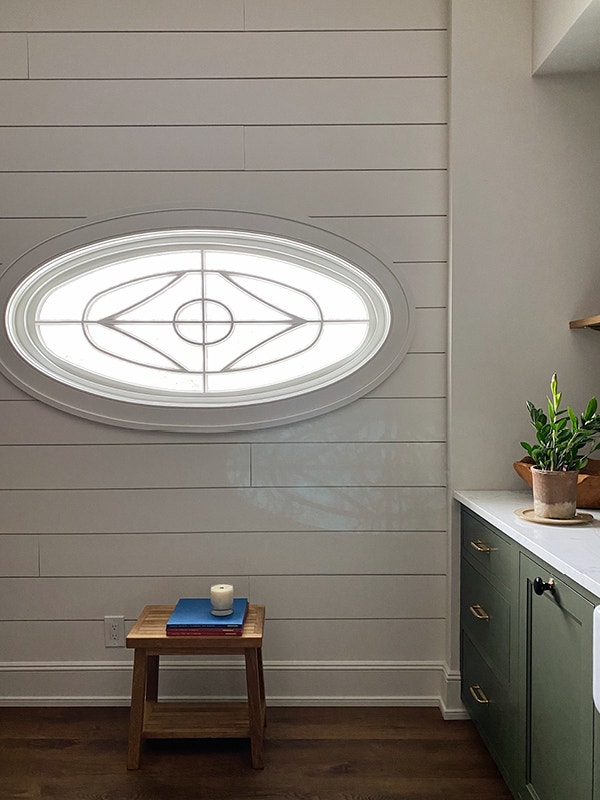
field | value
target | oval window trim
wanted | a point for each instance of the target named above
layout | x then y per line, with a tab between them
25	359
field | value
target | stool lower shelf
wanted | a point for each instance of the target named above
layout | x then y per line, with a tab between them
170	720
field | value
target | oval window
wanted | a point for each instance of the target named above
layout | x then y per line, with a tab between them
176	322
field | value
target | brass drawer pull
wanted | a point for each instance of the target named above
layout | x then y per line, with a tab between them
478	694
481	547
479	613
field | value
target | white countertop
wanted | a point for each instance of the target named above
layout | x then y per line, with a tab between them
573	550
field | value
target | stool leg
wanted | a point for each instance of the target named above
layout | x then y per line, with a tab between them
136	715
255	706
262	685
152	678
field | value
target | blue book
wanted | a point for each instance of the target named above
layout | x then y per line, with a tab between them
194	612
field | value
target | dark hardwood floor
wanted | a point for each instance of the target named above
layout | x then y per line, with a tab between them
310	754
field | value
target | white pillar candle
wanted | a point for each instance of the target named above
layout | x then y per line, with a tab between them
221	599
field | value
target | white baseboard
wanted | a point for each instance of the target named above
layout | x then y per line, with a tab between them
309	683
450	703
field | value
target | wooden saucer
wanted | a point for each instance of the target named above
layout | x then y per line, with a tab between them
529	515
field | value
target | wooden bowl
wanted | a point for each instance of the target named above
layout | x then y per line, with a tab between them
588	481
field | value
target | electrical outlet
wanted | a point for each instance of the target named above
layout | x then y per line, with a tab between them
114	632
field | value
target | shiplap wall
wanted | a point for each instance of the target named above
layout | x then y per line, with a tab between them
312	109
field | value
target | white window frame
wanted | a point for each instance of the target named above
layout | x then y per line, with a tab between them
28	368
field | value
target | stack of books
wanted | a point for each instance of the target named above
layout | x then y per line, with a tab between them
192	617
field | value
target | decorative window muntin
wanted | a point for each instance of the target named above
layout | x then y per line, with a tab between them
207	318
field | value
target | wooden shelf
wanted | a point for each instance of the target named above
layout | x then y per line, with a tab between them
197	720
586	322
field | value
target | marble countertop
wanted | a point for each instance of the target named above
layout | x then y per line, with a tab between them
573	550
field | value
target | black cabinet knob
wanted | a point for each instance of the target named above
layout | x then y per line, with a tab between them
540	586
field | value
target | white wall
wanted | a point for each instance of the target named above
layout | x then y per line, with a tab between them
337	524
552	20
565	36
525	194
525	165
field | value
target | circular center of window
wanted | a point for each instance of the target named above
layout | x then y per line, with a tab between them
203	322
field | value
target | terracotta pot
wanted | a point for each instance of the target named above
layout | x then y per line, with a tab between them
588	481
554	493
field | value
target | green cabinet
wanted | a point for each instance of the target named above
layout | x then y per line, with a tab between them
526	664
489	629
557	709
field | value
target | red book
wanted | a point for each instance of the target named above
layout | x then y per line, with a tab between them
205	631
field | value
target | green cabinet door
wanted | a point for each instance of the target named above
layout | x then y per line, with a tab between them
557	711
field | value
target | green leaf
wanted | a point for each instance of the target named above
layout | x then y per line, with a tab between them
591	409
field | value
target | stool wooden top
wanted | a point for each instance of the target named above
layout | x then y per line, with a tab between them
149	631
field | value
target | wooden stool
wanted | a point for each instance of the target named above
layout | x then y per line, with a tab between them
150	719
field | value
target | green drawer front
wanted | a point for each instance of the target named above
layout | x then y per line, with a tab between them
486	547
488	705
485	616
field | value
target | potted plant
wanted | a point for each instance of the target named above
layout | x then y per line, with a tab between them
563	443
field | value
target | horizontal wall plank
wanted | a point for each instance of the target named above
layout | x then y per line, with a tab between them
89	598
122	467
296	193
419	375
404	419
346	147
308	54
380	420
186	510
357	597
285	640
431	331
62	149
134	15
372	640
289	597
428	282
422	238
357	464
19	556
185	15
376	420
224	102
242	554
57	640
325	14
13	56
